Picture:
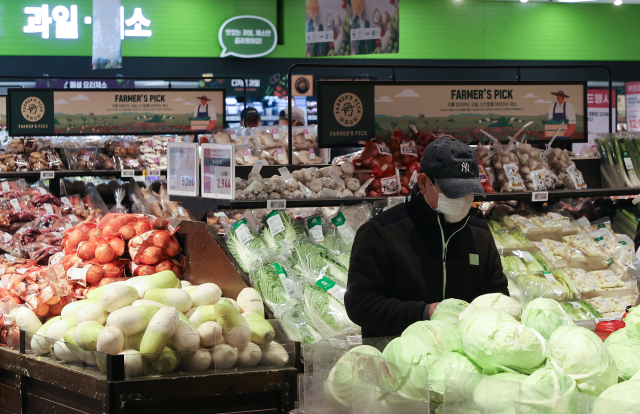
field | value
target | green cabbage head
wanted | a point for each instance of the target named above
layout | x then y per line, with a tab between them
359	367
626	353
496	301
455	373
632	322
548	391
581	354
440	336
545	316
404	366
497	342
449	310
619	398
497	394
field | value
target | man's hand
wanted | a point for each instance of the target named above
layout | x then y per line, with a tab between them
432	308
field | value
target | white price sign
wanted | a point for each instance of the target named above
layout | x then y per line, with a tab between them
540	196
128	173
153	173
182	171
218	171
47	175
276	204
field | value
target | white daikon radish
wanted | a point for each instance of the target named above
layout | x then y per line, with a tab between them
274	354
86	334
110	341
132	319
115	297
223	357
163	280
235	329
249	356
210	333
205	294
203	314
27	320
184	284
161	328
261	330
39	343
133	341
147	302
133	364
235	304
56	331
86	356
186	337
70	309
197	361
249	300
62	351
191	311
177	298
92	312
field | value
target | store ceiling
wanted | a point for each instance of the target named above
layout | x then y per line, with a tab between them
573	1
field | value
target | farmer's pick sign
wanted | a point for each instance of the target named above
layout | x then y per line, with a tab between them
113	112
463	110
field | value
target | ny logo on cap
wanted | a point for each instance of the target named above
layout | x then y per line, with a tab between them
465	167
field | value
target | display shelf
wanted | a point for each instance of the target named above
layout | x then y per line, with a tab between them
267	171
557	194
68	173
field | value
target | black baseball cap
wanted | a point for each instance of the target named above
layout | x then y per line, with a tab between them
248	112
454	166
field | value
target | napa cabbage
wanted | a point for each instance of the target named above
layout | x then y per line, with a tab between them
581	354
449	310
626	353
317	262
298	325
327	312
513	265
496	301
280	230
441	337
545	316
274	285
498	342
359	367
247	253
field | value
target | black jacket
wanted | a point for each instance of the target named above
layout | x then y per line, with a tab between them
396	267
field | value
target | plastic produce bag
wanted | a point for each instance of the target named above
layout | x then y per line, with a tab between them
564	168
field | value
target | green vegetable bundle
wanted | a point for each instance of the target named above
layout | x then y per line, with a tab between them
246	254
327	312
278	239
314	262
580	310
274	285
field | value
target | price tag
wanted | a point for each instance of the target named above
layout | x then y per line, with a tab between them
276	204
42	190
153	173
5	186
257	166
242	231
307	135
540	196
182	168
315	228
550	277
218	171
48	208
47	175
15	205
128	173
394	201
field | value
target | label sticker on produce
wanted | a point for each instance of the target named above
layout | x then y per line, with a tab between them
610	262
22	270
66	201
526	256
312	154
48	208
78	274
3	270
343	227
383	149
56	234
413	180
232	135
549	277
42	190
73	218
576	177
5	186
15	205
284	172
86	157
514	178
627	160
315	228
306	134
258	166
389	185
288	284
330	286
409	148
576	305
242	231
6	237
280	154
276	134
275	223
622	242
245	155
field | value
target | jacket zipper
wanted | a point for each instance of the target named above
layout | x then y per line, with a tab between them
444	254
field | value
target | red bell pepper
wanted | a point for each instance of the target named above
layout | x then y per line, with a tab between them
609	326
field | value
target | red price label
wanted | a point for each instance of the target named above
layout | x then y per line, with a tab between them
223	182
633	123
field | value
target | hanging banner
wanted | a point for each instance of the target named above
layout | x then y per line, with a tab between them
352	27
459	109
633	106
85	83
3	112
597	116
114	112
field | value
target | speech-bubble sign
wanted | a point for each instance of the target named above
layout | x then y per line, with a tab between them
247	37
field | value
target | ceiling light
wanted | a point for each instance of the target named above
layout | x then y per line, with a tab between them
523	1
617	2
574	1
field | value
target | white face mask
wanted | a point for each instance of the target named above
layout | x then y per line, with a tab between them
453	209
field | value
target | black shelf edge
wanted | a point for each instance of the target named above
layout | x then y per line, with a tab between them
200	206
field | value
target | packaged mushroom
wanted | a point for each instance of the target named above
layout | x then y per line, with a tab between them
534	169
121	148
224	136
128	162
81	158
506	165
275	156
105	162
307	157
562	165
269	136
305	137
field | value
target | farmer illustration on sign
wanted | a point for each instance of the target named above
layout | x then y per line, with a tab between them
205	112
562	112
